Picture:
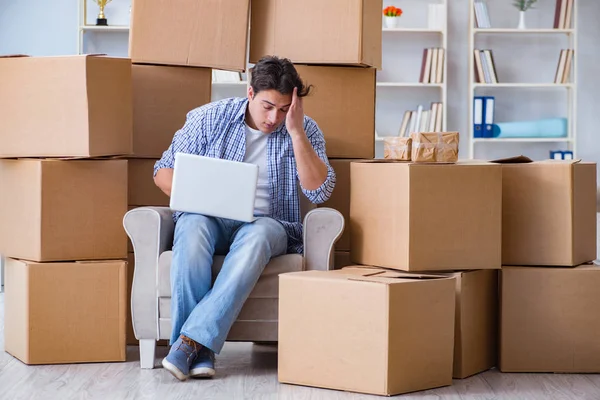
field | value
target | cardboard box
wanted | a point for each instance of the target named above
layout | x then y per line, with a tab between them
57	210
340	199
354	39
73	106
343	105
65	312
341	259
200	33
549	213
440	147
397	148
162	97
549	320
476	326
366	330
142	189
425	217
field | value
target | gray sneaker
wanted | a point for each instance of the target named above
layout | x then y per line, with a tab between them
204	365
182	354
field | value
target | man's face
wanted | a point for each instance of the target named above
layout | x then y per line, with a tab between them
267	109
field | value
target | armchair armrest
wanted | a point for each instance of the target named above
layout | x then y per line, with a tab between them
323	227
151	232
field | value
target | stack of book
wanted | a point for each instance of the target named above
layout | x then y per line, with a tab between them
419	120
563	14
432	66
485	69
563	70
482	17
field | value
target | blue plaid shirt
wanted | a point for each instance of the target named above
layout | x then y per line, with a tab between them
218	130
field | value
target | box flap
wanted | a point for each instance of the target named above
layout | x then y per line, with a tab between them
513	160
14	55
393	277
549	161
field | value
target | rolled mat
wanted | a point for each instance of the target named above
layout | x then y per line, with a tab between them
542	128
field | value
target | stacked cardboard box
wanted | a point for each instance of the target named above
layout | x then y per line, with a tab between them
62	206
415	231
340	60
549	293
173	51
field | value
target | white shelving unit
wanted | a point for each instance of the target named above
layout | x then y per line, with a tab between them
404	89
522	35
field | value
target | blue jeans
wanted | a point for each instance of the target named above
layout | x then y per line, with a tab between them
200	309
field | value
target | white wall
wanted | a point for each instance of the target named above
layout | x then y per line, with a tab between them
41	28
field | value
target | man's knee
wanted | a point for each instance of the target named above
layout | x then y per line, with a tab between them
265	232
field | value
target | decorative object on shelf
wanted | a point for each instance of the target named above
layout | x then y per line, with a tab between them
523	5
391	16
101	20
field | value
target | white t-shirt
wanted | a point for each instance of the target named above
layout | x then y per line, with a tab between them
256	153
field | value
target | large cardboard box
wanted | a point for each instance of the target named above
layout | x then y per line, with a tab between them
65	312
476	326
73	106
201	33
366	330
353	39
426	217
548	213
57	210
340	199
343	105
549	320
162	97
142	189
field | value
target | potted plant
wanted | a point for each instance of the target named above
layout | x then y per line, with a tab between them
523	5
391	16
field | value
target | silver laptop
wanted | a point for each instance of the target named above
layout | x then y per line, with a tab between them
214	187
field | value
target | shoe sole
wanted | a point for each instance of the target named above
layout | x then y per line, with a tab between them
202	373
176	372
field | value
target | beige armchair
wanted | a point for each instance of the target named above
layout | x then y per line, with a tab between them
151	232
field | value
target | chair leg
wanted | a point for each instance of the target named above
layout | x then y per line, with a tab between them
147	353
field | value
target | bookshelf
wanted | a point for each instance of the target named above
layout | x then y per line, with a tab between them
399	87
504	88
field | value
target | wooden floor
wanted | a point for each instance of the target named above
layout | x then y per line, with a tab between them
246	371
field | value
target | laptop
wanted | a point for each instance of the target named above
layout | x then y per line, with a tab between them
214	187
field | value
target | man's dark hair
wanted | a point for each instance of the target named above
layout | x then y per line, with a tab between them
272	72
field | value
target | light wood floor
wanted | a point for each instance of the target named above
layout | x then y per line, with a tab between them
246	371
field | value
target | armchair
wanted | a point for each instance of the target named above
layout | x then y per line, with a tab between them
151	232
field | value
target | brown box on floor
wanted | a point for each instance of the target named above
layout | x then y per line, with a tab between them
354	38
201	33
341	259
162	97
476	326
70	312
366	330
343	105
142	189
549	320
63	210
72	106
340	199
548	213
425	217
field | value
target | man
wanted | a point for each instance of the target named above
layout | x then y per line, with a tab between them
269	129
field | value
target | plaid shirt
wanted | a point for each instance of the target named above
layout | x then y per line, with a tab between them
218	130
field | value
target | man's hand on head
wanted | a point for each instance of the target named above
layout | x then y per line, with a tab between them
294	120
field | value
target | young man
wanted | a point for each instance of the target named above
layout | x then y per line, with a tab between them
269	129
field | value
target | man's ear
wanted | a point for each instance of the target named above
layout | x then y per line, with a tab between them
250	93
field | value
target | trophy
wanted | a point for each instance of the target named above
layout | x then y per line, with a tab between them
101	20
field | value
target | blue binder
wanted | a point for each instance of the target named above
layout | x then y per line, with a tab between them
478	113
488	116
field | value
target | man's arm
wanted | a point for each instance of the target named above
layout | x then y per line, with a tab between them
189	139
164	180
316	176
